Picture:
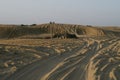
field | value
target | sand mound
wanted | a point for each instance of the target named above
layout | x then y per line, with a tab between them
46	31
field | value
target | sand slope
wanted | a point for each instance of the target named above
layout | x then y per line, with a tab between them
56	31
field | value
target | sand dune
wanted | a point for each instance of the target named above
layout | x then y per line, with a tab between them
56	31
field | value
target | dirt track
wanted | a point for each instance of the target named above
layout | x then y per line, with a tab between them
92	60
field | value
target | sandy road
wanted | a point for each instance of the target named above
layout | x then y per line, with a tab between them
36	70
80	64
76	66
72	65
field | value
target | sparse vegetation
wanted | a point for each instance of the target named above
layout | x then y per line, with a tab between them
33	24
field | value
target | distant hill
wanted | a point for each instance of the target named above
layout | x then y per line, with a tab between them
55	30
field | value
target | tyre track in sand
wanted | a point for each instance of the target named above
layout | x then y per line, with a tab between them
77	68
36	70
72	65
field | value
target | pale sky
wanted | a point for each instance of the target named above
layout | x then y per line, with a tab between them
85	12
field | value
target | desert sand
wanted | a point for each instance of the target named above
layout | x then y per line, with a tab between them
70	52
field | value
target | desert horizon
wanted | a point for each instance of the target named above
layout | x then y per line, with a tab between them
59	40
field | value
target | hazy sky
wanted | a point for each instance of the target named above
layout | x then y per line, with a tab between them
88	12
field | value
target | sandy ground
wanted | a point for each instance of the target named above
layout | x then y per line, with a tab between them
74	59
17	53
